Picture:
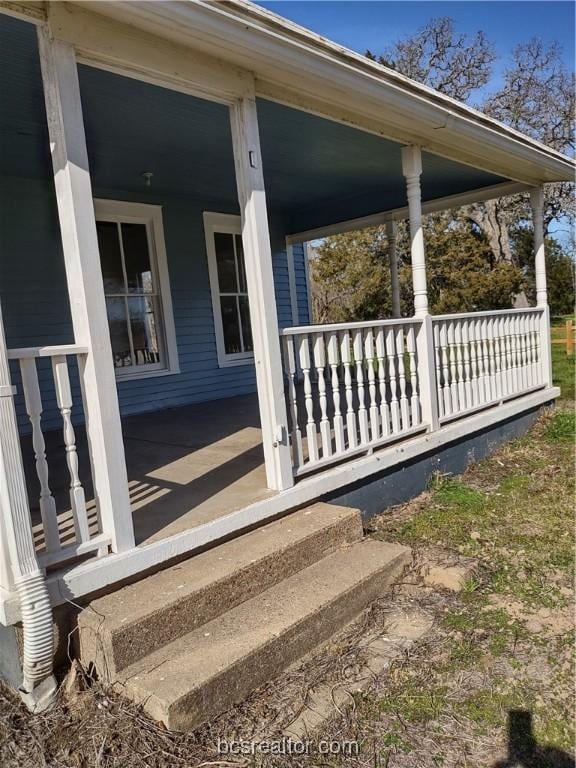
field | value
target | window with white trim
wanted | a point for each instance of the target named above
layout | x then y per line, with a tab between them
228	287
136	288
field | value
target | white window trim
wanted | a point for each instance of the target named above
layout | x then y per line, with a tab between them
232	225
151	216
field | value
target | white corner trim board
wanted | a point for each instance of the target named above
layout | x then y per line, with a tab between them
90	576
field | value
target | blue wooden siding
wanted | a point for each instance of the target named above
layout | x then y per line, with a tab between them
35	300
301	284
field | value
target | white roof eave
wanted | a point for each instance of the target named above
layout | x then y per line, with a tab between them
279	51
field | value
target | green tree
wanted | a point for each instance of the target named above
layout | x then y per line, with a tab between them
463	275
350	277
560	272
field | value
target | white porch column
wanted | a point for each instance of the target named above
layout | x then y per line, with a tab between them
85	286
20	569
16	538
537	204
412	169
260	282
391	234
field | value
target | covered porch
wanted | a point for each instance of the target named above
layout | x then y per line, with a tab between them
186	467
116	491
355	390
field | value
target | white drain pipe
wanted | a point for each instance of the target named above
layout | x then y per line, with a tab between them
38	684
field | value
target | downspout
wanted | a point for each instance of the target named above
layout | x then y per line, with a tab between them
38	686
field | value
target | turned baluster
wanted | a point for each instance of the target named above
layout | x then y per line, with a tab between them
516	379
504	363
292	372
491	360
64	401
474	363
381	355
466	355
333	362
362	412
523	350
481	361
509	362
404	404
320	363
438	363
413	368
453	369
448	410
33	402
351	426
394	404
460	364
532	337
369	355
497	370
311	435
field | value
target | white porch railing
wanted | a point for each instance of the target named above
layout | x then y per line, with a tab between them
55	541
485	358
355	386
351	387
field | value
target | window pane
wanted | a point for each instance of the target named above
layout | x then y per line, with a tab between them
116	309
110	258
241	265
226	262
230	327
145	329
137	258
246	328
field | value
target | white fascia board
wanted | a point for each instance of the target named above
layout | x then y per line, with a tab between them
291	56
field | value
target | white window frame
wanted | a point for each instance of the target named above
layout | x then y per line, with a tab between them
229	225
119	211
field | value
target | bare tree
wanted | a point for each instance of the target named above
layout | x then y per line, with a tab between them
452	63
537	98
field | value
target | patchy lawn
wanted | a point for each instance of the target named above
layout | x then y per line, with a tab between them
491	685
505	643
563	364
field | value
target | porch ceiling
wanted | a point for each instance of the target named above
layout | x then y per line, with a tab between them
317	172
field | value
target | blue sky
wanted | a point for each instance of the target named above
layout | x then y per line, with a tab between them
375	25
359	25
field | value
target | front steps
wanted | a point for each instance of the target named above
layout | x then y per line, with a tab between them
190	641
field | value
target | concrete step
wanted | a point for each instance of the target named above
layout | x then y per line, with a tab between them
118	629
204	672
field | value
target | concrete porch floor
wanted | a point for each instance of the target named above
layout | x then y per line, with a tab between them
186	466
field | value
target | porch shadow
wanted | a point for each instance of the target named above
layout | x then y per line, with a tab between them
186	466
523	749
